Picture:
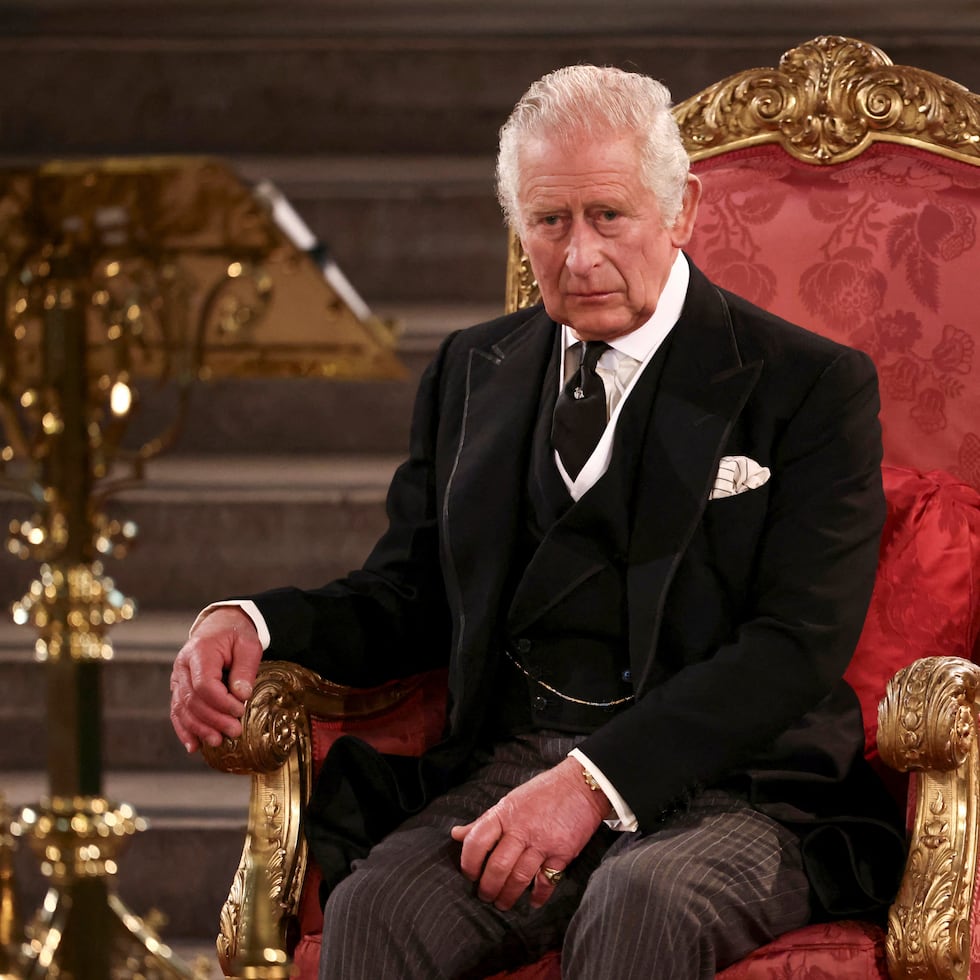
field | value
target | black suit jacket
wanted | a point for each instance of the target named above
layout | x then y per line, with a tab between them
743	611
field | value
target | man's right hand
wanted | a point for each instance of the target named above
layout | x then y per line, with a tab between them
203	708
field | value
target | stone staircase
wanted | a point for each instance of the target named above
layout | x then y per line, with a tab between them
378	122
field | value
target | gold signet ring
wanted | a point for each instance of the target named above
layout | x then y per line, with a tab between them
552	875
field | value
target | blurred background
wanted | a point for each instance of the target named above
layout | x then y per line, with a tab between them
377	119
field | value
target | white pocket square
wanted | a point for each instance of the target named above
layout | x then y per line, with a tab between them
736	474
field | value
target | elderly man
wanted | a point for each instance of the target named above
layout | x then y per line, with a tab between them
639	524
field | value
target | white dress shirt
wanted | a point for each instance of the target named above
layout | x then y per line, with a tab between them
621	366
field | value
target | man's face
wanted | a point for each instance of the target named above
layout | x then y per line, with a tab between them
594	233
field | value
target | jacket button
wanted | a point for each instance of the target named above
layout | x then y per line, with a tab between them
523	645
627	676
539	703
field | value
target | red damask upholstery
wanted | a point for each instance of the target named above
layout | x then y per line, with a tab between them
926	602
883	256
829	951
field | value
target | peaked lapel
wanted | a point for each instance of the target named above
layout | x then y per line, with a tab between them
486	482
702	391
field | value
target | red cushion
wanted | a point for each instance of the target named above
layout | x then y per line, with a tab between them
926	599
830	951
834	951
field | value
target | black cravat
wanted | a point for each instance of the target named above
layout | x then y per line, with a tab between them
580	412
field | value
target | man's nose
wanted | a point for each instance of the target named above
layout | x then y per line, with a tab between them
583	253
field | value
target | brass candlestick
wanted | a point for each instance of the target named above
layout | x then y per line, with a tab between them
116	272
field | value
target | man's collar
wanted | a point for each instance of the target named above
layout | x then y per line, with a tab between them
638	343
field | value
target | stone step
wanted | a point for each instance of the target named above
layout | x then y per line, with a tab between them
255	416
214	526
428	229
136	731
182	865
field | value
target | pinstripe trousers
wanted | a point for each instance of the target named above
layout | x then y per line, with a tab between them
694	894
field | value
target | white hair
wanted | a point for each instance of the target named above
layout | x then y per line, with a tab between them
586	100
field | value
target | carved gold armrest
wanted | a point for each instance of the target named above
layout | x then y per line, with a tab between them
927	724
276	750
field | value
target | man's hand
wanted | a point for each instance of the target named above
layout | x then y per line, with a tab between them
544	823
202	707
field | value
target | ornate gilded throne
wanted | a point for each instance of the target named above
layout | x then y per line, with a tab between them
842	192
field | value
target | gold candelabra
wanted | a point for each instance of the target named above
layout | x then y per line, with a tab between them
117	273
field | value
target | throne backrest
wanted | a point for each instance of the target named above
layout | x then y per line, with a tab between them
842	192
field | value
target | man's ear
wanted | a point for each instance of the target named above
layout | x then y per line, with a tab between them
683	227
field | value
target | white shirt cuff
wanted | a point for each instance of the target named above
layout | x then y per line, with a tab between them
625	819
250	609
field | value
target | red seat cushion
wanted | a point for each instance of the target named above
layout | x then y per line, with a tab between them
830	951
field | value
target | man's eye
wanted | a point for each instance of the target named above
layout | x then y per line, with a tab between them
550	219
610	215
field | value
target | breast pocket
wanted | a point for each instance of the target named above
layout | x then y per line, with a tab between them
731	529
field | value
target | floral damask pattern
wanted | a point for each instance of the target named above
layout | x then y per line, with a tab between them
731	210
844	287
828	951
879	252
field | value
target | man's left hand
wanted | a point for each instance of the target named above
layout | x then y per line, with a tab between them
544	823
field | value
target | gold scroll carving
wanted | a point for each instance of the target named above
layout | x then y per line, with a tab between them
927	725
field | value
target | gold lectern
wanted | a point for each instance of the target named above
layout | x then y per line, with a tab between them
117	272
